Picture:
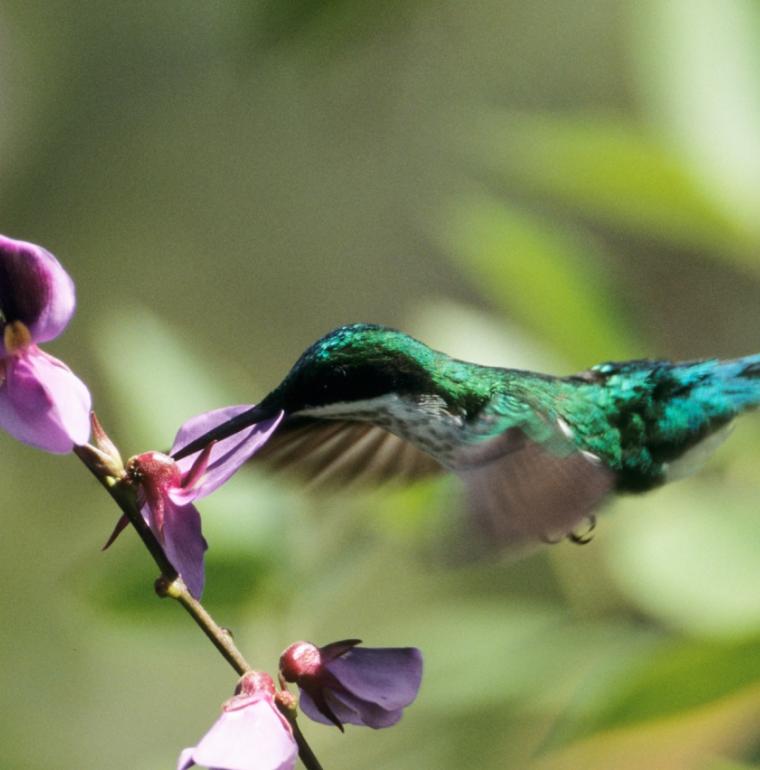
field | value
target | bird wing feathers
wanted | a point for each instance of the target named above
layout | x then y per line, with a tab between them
518	490
332	452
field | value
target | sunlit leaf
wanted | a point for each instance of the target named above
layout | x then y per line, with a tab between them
698	65
612	172
728	764
683	741
679	678
551	279
688	556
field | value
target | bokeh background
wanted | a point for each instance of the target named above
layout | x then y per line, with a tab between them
545	184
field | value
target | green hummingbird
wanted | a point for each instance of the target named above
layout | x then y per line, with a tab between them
537	453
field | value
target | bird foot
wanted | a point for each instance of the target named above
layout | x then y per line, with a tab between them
585	536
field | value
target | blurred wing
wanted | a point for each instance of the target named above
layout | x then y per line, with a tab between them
339	452
520	491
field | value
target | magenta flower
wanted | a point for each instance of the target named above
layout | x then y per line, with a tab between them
358	685
251	733
168	489
42	402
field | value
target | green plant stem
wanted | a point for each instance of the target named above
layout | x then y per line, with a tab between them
219	637
124	496
305	753
171	584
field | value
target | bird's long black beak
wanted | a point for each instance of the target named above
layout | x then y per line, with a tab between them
236	424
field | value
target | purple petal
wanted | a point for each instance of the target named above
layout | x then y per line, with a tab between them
43	403
34	289
250	738
363	712
185	759
349	710
201	424
184	543
307	705
389	677
226	455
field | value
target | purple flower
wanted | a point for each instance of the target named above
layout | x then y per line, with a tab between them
168	488
42	402
359	685
251	733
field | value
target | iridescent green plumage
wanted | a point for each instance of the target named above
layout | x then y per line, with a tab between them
537	453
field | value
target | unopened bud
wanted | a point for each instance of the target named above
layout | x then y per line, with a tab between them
103	459
255	682
105	445
299	660
286	702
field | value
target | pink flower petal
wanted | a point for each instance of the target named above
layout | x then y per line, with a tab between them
185	759
249	738
201	424
184	544
34	289
226	456
43	403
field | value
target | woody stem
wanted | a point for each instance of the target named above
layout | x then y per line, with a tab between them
122	490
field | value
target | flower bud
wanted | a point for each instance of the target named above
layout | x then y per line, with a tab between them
255	683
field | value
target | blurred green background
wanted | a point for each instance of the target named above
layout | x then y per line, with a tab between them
543	184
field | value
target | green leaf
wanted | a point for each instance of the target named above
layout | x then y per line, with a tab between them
697	66
121	581
689	740
332	25
728	764
679	678
245	522
689	557
544	276
614	173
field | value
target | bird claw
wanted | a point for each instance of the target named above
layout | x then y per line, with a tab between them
584	537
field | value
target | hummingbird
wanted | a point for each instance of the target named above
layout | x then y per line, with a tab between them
537	454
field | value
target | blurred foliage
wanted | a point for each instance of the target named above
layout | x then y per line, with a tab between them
557	275
540	185
324	24
608	170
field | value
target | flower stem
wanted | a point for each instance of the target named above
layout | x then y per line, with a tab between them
171	584
219	637
305	754
124	496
